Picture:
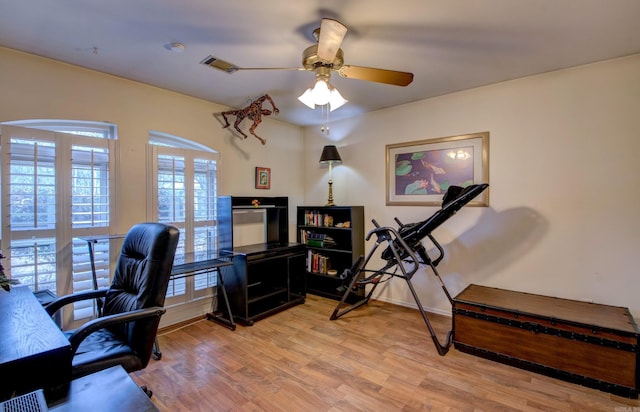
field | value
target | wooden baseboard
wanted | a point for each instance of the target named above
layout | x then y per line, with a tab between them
180	325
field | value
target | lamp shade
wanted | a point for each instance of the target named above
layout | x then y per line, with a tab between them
330	155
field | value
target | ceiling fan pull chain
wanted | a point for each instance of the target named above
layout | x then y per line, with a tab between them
325	119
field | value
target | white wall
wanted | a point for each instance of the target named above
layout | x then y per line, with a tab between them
32	87
564	189
563	171
37	88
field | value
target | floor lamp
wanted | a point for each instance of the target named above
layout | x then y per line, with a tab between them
330	155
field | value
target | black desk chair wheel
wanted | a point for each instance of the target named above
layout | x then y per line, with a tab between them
125	332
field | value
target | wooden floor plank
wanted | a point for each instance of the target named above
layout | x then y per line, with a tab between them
377	357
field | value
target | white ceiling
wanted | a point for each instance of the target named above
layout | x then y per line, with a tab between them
449	45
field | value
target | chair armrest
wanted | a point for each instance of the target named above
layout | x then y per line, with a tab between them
93	325
58	303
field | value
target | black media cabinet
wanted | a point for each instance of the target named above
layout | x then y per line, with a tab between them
265	278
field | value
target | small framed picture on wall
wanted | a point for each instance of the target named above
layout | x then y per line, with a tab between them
263	178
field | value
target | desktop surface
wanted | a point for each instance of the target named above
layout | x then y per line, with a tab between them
264	247
193	262
34	353
108	390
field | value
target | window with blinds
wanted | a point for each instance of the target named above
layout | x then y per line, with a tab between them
91	176
205	236
184	195
172	205
90	179
58	189
30	193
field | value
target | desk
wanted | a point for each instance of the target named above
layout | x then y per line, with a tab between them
33	351
111	389
184	265
190	264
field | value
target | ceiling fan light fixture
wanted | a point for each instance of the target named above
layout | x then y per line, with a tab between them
307	98
322	93
336	100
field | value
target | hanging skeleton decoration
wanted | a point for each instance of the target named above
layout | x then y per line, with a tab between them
253	112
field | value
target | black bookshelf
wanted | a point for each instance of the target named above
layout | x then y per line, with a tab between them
334	239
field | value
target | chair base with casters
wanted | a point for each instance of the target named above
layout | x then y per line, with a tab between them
125	333
402	255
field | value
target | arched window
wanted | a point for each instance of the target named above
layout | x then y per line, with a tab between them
79	127
184	194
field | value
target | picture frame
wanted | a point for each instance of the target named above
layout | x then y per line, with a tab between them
263	178
419	173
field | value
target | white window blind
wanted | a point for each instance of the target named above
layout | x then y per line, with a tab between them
90	186
57	189
172	205
205	237
29	194
91	211
184	195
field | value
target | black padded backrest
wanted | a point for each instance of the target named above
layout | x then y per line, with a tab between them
453	200
140	281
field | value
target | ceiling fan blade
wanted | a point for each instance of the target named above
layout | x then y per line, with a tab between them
376	75
331	34
225	66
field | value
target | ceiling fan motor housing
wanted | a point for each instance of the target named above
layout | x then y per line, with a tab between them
311	61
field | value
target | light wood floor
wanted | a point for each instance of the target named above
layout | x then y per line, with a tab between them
379	357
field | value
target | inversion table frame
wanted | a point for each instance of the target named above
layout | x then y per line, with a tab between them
403	255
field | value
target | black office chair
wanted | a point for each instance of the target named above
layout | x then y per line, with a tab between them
125	332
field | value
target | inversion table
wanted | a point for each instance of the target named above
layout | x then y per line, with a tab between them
403	255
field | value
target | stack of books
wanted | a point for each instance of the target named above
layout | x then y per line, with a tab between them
317	263
316	239
315	218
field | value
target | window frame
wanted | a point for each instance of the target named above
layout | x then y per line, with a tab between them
162	144
67	248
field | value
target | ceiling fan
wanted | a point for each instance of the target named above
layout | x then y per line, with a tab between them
324	58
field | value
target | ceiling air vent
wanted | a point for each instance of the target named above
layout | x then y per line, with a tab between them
219	64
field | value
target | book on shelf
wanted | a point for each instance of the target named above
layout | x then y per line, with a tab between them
310	238
317	263
315	218
315	242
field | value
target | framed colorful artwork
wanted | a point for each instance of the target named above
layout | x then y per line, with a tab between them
419	173
263	178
